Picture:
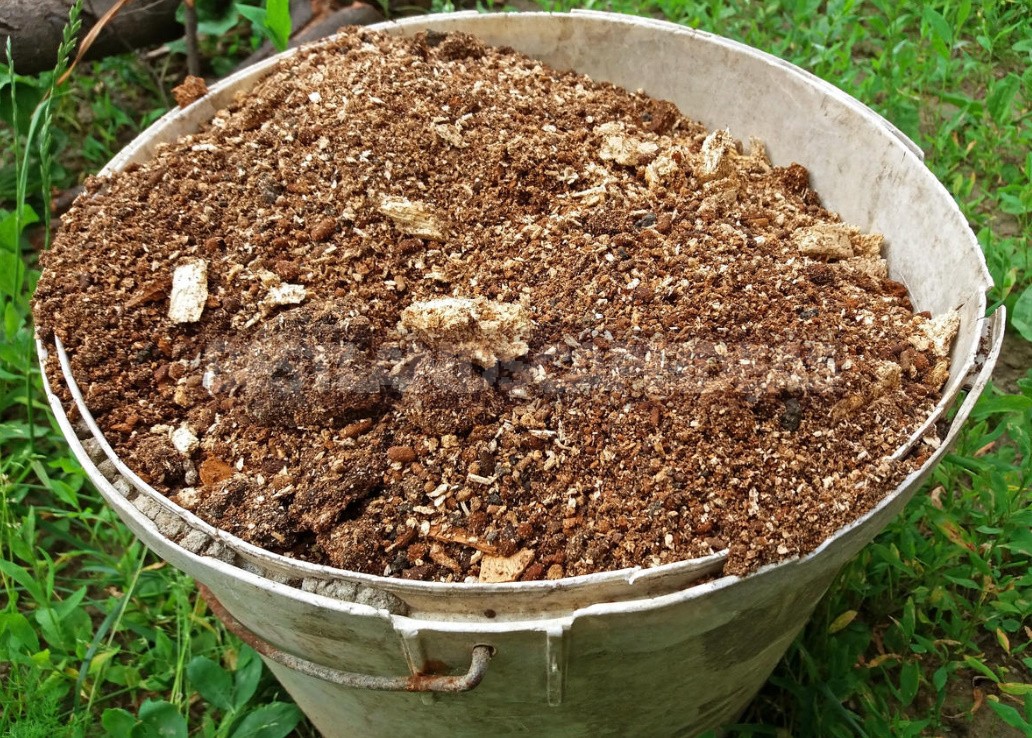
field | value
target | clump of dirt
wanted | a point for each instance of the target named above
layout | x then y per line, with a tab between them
190	90
303	367
464	317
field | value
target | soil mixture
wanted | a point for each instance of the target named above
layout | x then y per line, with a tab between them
421	308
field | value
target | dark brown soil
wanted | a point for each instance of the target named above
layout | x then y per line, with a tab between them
646	344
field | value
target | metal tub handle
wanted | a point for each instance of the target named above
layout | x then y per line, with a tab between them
411	683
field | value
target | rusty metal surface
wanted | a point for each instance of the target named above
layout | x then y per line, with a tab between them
425	681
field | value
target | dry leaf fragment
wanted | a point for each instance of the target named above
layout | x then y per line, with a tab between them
977	699
505	568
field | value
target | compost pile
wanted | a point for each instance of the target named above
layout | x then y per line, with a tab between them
422	308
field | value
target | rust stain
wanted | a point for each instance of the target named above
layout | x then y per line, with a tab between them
234	625
434	667
430	679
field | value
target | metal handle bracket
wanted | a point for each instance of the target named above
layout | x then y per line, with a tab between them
411	683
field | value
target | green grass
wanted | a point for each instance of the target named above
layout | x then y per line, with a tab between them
927	632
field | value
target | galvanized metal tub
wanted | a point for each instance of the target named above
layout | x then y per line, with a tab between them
673	650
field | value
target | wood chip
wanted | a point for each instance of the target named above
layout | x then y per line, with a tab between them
286	294
189	291
450	133
439	556
719	151
185	440
495	569
484	330
824	241
624	149
413	218
463	539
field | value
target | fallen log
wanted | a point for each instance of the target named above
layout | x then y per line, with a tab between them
34	28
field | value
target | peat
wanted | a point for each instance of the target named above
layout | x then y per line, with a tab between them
465	316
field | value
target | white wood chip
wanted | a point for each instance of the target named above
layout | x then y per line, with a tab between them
286	294
824	241
505	568
185	440
189	291
450	133
937	334
483	330
412	217
718	153
623	149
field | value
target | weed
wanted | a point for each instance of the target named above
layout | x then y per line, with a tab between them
230	695
219	26
272	21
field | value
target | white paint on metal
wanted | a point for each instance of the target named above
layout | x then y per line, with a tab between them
555	653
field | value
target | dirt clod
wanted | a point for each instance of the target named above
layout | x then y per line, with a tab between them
213	470
401	454
189	90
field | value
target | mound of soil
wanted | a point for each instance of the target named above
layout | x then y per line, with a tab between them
422	308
